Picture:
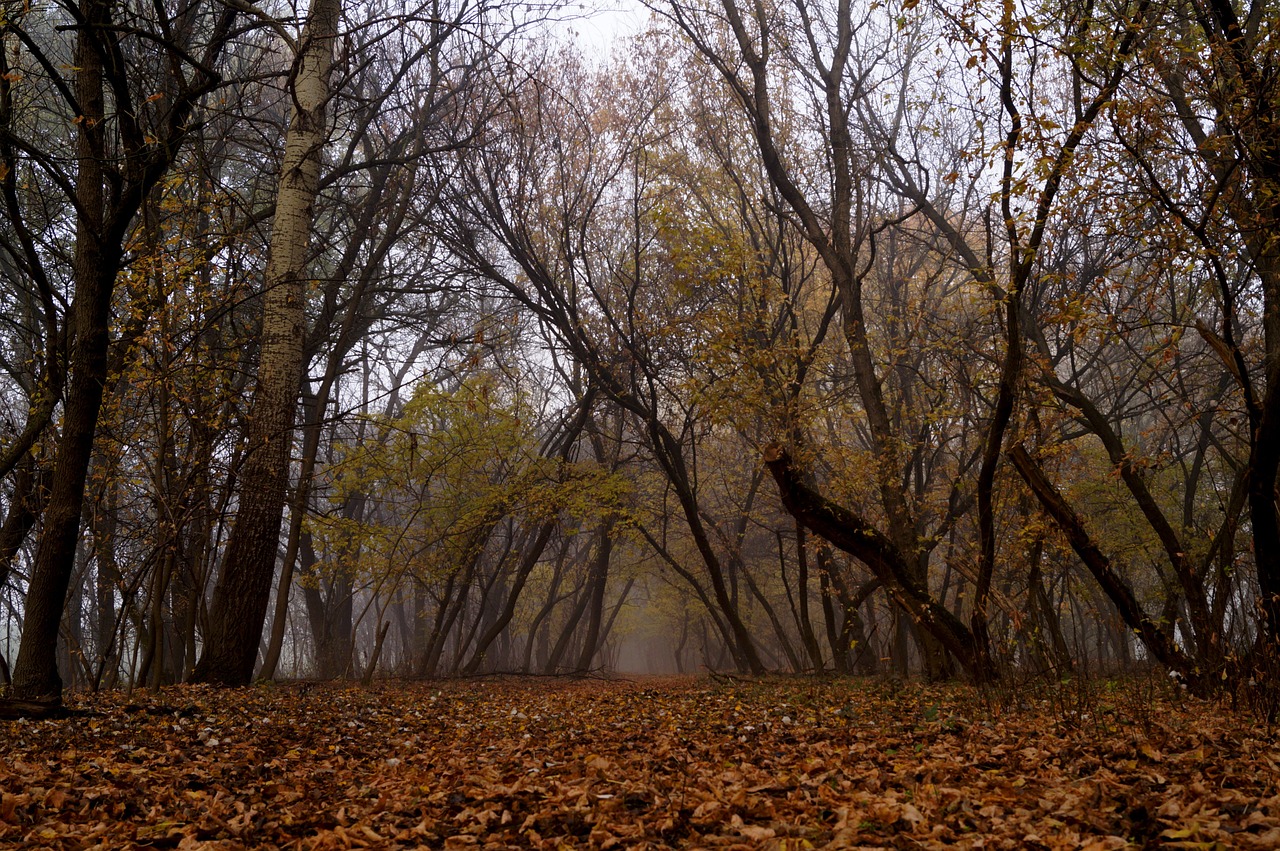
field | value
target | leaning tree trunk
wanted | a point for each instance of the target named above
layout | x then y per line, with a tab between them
244	586
853	534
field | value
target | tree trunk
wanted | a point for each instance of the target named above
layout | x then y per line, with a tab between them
538	629
331	614
807	636
595	605
367	679
297	511
244	587
836	638
527	563
35	675
30	489
137	158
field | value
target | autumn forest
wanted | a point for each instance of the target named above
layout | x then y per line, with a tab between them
776	422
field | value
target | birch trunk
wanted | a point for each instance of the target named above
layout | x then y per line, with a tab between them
243	589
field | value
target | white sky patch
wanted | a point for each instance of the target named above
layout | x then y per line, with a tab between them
598	26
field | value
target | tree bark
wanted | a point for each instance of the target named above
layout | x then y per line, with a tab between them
35	675
528	562
244	587
807	635
30	489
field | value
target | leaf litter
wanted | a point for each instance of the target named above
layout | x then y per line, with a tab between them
690	762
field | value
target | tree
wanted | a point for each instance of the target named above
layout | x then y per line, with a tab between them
125	144
1208	155
1135	277
242	592
399	112
771	60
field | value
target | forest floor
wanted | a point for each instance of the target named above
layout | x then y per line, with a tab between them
647	763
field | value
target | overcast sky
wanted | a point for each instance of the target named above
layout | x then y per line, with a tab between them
605	20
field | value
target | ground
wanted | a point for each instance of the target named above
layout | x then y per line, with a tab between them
679	763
